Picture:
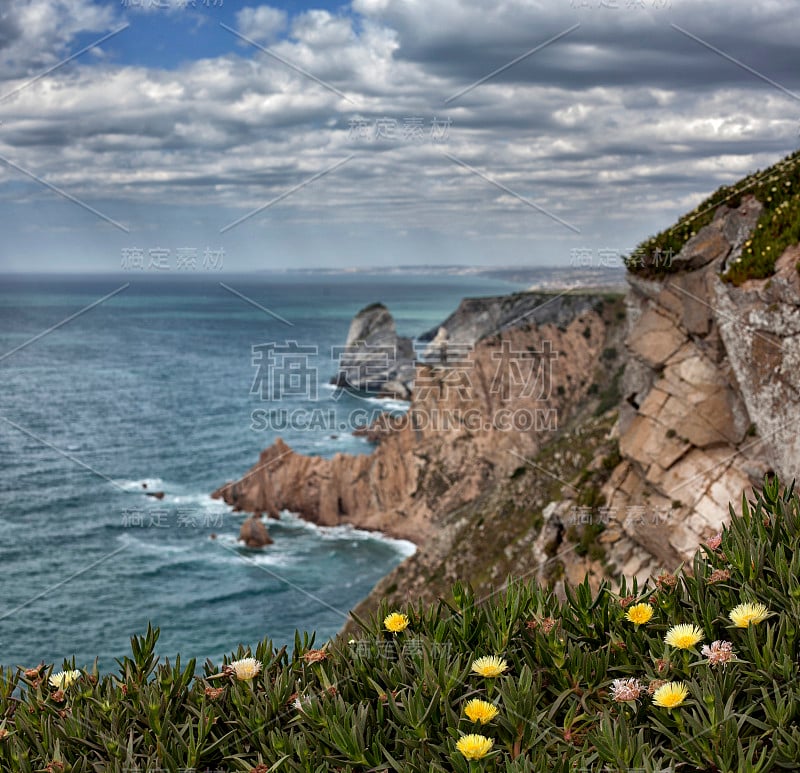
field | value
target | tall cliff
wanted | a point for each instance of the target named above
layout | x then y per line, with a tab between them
710	404
712	400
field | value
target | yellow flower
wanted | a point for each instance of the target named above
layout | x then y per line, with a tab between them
683	636
743	615
473	746
670	695
639	613
489	666
396	622
244	669
64	679
481	711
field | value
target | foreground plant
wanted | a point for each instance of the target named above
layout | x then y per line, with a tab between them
684	636
478	710
63	679
718	653
396	622
670	695
579	689
489	666
639	614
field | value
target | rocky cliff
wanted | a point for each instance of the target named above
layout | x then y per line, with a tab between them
472	420
709	405
555	436
711	388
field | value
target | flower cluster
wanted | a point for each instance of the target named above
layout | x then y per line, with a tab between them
480	711
628	677
244	669
474	746
683	636
639	614
747	614
489	666
623	690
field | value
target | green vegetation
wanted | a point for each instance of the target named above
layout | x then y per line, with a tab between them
562	686
611	395
778	190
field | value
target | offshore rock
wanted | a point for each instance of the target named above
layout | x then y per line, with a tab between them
254	534
375	359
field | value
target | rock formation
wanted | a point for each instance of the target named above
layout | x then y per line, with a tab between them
475	318
375	359
511	461
710	405
253	532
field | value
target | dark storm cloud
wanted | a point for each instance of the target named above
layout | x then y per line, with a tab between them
612	47
9	29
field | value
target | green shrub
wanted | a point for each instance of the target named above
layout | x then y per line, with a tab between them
778	190
396	701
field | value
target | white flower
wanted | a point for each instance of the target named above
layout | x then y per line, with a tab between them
64	679
247	668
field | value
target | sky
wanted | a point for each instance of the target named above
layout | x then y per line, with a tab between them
205	134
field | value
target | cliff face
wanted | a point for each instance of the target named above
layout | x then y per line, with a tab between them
472	421
476	318
711	389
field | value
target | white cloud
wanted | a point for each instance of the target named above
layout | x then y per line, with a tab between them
614	130
38	33
263	24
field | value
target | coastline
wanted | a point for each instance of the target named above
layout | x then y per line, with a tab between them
417	474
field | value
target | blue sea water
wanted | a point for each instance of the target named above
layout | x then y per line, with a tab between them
155	385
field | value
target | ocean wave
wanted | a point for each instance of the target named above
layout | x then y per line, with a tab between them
387	403
347	532
203	500
272	555
153	484
160	548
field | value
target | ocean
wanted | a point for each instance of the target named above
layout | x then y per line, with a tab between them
157	384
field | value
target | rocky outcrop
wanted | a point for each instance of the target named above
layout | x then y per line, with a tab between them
476	318
759	324
510	457
374	358
711	390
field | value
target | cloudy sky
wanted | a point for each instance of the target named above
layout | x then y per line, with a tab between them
378	132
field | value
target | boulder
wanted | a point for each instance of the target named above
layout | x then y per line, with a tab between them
254	534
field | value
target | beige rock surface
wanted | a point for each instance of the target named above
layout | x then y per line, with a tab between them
709	364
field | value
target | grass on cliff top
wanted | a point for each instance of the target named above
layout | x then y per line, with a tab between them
518	682
777	188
